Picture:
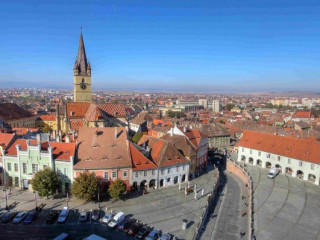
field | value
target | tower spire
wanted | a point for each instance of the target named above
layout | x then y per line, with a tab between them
82	62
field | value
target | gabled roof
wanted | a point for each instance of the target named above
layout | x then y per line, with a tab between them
140	118
302	149
140	161
103	148
302	114
11	112
47	117
93	113
60	150
194	136
24	131
162	152
5	140
182	144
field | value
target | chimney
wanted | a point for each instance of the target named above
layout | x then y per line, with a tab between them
67	138
38	138
115	132
171	132
184	129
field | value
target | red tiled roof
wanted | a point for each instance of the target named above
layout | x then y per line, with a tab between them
194	136
61	151
93	113
139	161
302	114
162	152
11	111
77	109
48	117
116	110
302	149
5	139
103	148
24	131
76	124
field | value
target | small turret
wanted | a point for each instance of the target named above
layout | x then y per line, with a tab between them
76	68
89	69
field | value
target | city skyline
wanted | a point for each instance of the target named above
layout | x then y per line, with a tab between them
180	46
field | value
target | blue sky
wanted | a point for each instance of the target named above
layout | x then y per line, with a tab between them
218	46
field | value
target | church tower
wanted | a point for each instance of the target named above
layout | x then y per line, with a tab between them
82	76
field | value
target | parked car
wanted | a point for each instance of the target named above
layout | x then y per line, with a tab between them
108	217
166	236
119	217
143	232
273	172
124	225
63	215
95	214
134	228
8	216
154	234
83	216
30	217
52	217
19	217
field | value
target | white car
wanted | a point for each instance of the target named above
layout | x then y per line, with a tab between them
273	172
116	220
108	217
63	215
19	217
83	216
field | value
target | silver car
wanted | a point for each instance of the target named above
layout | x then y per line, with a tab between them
19	217
108	217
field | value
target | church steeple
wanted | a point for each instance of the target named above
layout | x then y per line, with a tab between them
82	75
81	66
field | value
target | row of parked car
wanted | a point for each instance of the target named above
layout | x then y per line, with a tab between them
133	227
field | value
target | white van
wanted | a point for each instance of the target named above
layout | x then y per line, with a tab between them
116	220
273	172
63	215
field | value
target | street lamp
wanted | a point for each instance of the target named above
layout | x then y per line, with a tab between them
35	200
5	197
67	200
99	194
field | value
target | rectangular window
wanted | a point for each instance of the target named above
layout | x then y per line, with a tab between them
268	155
145	173
279	158
58	170
114	174
153	172
289	161
125	174
242	149
137	174
177	169
66	171
9	166
16	167
45	166
168	170
250	151
34	168
24	168
300	163
259	153
106	175
183	168
312	166
162	172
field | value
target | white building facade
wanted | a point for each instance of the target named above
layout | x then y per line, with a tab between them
307	169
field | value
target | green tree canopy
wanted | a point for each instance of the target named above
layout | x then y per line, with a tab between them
45	182
137	137
117	188
229	106
85	186
46	129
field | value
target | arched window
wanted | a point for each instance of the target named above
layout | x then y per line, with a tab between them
82	80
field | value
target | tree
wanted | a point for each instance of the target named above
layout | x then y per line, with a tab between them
46	129
45	182
117	188
137	137
230	106
85	186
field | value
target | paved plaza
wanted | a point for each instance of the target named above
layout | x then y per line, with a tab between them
163	209
285	207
